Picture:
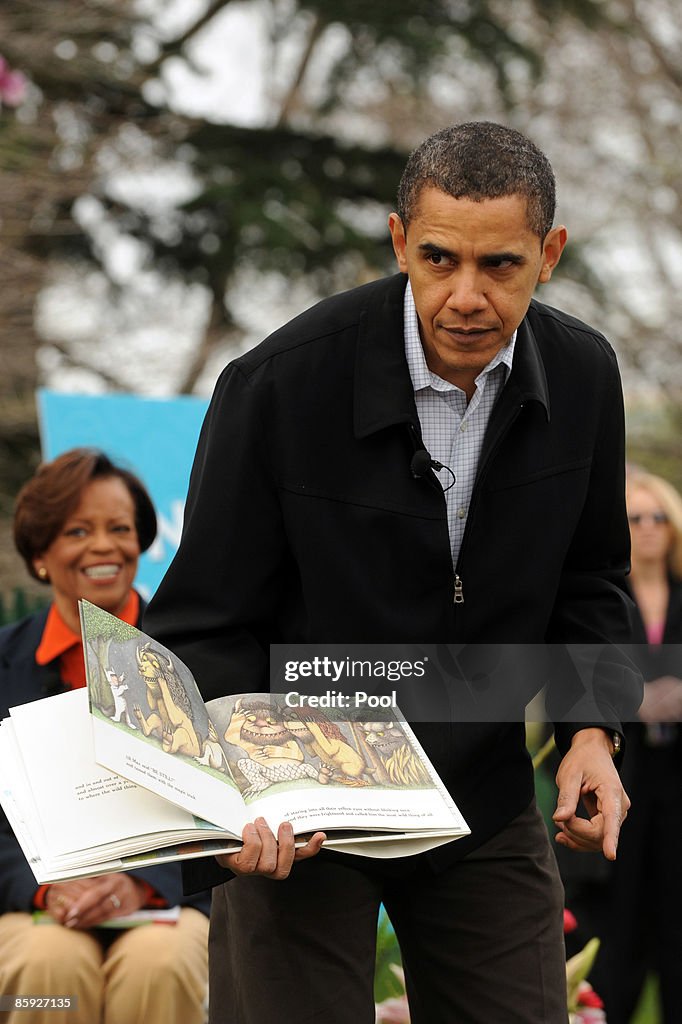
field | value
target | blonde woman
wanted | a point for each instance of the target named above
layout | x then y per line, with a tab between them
638	916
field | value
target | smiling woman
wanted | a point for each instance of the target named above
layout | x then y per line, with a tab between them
79	519
95	553
80	525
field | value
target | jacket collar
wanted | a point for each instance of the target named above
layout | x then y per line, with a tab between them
383	388
528	370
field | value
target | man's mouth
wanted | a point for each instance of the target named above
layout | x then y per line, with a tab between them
101	572
466	332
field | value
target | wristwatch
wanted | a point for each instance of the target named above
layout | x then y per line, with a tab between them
616	741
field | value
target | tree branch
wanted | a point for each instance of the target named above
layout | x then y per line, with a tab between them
291	98
176	45
218	325
99	371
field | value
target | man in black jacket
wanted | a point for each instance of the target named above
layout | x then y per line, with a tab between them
308	520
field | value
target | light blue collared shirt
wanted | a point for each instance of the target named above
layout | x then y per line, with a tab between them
453	429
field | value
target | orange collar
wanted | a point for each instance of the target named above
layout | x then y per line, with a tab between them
60	641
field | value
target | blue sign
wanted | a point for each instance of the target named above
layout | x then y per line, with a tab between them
155	438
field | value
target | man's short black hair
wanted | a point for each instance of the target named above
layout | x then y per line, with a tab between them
481	160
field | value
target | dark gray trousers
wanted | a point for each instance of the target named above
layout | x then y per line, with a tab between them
482	942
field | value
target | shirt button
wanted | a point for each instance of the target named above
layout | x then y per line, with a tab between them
461	512
463	427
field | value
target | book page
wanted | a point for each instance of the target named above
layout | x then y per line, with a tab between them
253	754
150	724
81	804
319	770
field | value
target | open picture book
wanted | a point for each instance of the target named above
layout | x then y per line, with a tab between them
137	769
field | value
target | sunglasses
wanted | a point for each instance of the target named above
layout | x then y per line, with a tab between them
659	518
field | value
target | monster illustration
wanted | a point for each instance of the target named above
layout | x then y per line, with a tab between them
395	762
322	738
273	755
171	718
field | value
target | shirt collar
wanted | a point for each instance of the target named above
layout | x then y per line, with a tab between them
422	376
58	638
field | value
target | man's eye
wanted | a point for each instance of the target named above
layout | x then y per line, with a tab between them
436	259
503	264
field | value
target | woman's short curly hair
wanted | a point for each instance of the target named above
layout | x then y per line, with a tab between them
46	501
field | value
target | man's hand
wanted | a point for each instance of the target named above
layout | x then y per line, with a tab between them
86	902
263	854
587	771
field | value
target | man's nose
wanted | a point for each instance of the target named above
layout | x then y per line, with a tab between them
467	292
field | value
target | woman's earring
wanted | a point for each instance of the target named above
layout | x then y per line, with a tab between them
42	572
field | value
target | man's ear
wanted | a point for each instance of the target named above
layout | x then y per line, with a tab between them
552	248
395	226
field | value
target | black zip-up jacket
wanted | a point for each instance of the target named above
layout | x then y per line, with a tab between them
304	523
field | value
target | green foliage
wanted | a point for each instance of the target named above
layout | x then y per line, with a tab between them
101	628
649	1009
284	207
275	197
280	198
100	623
19	605
289	195
654	439
415	34
386	984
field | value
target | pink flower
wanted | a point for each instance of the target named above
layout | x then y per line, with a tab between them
588	1015
393	1011
570	923
12	85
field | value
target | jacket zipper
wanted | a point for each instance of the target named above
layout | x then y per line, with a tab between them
459	591
458	588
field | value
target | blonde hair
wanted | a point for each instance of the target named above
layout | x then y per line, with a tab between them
670	501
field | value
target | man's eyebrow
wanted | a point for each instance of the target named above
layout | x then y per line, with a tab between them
503	257
430	247
486	259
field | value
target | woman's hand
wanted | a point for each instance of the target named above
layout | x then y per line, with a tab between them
87	902
662	700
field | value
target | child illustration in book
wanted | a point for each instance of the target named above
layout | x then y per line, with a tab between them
118	687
